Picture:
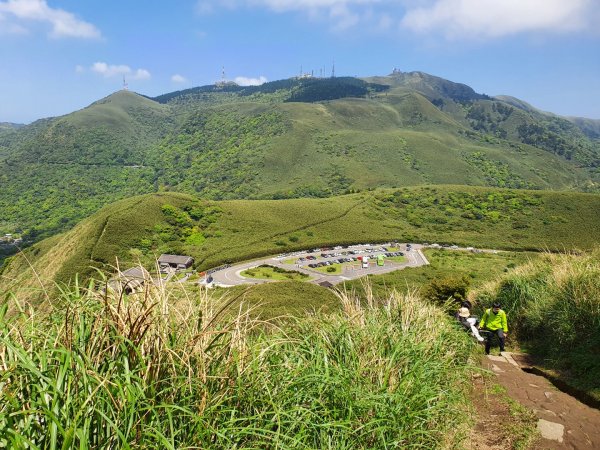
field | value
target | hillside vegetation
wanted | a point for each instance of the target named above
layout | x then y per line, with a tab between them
554	308
335	136
213	233
118	374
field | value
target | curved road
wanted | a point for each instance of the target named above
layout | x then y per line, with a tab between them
231	276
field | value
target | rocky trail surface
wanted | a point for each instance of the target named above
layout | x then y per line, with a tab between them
563	422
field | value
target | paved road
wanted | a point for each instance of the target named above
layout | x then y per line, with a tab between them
231	276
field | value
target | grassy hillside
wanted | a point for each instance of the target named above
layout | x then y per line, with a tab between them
63	169
458	267
506	118
141	228
285	139
554	307
249	151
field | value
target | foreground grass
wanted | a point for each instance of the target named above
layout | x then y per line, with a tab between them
146	371
553	305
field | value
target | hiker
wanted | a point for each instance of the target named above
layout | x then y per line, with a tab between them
464	317
494	321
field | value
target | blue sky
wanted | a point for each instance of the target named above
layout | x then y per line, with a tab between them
60	56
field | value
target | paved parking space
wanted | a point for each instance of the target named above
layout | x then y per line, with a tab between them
352	266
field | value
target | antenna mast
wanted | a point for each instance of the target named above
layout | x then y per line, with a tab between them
125	85
333	69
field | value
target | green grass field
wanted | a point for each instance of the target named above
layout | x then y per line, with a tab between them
554	306
266	272
478	268
233	146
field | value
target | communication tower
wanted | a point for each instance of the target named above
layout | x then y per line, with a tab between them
125	85
224	82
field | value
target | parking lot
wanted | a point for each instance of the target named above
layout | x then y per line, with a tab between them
333	265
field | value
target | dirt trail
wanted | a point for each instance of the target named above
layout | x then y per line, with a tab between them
564	422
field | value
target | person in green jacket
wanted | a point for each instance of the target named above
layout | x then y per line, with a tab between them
494	320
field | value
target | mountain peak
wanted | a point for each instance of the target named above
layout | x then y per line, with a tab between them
124	97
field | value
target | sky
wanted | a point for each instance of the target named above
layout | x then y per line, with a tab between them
58	56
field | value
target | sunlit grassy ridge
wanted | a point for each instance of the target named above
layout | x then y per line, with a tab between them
150	371
213	233
554	309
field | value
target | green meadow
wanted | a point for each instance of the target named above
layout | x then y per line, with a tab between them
243	143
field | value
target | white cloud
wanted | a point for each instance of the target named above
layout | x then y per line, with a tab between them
451	18
343	17
141	74
342	13
109	70
7	28
244	81
64	24
497	18
178	79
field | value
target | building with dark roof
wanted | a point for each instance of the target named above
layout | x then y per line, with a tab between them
130	280
178	262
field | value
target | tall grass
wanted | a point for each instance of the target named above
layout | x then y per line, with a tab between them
553	305
155	370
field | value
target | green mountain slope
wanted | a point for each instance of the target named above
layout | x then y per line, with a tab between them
60	170
506	117
284	139
299	150
143	227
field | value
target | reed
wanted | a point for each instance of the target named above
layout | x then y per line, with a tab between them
153	370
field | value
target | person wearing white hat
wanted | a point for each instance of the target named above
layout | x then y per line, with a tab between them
464	316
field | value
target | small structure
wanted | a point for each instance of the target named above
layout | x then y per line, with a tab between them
177	262
131	280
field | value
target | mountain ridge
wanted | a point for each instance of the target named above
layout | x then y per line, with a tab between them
285	139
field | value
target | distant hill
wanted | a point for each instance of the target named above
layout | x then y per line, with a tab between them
590	127
10	126
143	227
58	170
285	139
431	86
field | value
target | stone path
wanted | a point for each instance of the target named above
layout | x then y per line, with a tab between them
564	422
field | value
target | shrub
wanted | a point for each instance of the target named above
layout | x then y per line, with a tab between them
440	291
